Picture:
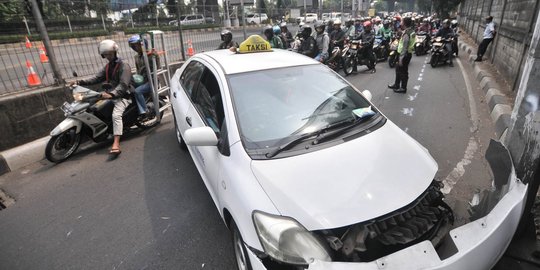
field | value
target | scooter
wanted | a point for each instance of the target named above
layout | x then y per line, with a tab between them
439	52
380	48
91	116
421	46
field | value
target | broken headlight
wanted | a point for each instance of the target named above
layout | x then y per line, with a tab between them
286	240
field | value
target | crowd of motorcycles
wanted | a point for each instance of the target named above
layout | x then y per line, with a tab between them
349	56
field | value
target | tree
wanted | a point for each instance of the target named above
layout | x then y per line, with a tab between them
444	7
424	6
261	6
11	10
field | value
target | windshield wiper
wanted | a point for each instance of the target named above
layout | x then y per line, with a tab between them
325	136
304	136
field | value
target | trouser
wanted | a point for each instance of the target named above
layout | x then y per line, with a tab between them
139	96
483	47
120	106
402	72
450	51
368	54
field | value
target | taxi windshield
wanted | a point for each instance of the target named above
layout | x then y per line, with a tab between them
272	105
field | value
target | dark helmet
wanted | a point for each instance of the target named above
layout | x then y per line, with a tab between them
349	22
387	23
226	35
320	26
268	31
306	30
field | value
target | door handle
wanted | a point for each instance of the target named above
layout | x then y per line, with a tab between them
188	120
174	94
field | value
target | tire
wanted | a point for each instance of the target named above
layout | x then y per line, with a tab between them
66	142
419	51
434	60
392	61
240	253
348	65
179	138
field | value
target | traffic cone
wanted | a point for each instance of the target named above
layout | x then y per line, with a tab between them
43	55
33	78
28	44
190	50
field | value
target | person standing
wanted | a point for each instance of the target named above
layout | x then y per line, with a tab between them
489	35
405	50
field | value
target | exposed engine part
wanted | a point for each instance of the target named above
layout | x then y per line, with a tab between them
424	219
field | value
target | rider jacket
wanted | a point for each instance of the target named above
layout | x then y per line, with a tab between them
445	32
308	47
322	43
227	45
338	37
367	38
118	74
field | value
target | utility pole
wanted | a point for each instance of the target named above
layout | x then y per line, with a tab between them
178	14
47	42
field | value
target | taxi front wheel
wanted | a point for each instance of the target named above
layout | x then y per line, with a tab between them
240	252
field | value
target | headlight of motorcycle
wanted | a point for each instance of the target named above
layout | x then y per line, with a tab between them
77	96
286	240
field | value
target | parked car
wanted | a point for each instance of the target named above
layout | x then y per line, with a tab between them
256	19
307	18
189	20
307	173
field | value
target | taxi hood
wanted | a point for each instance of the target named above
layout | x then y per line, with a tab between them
348	183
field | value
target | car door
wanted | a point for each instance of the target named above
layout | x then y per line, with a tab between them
182	90
208	110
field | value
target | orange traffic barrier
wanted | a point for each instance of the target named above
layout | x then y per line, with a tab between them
190	50
32	78
43	55
28	44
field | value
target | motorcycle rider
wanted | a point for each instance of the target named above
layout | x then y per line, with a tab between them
426	28
454	26
357	27
405	49
117	73
366	49
145	87
275	42
277	33
447	32
323	42
337	37
227	42
286	35
349	28
308	47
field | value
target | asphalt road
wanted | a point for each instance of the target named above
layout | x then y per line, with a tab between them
149	209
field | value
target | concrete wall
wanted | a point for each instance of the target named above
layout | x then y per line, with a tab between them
515	21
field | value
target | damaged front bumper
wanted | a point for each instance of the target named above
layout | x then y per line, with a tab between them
478	244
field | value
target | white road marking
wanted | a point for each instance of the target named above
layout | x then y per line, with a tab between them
457	173
416	87
407	111
406	130
386	97
422	71
420	78
412	98
69	233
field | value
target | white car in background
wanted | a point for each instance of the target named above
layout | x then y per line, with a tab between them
308	18
307	173
256	18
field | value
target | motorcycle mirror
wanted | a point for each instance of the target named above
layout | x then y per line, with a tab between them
75	74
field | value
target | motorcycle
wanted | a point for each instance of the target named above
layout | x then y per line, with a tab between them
393	54
380	48
91	116
439	52
421	46
336	59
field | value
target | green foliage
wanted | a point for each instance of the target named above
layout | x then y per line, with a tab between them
445	7
11	10
261	6
380	5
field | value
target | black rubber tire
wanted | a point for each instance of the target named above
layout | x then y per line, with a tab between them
181	143
240	252
348	65
53	145
418	51
392	61
434	61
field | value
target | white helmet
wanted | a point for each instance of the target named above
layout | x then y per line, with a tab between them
337	21
107	45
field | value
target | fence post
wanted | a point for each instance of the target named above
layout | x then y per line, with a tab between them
47	42
27	28
180	30
69	23
103	21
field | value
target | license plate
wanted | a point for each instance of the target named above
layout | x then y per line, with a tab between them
354	46
437	44
392	52
66	107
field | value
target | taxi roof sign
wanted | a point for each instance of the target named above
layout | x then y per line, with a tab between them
254	43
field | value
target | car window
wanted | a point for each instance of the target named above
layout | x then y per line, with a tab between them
280	103
207	99
200	17
182	18
191	17
250	16
191	77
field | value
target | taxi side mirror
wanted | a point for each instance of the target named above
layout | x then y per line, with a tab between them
367	94
200	136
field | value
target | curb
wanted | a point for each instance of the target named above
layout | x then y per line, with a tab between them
23	155
500	108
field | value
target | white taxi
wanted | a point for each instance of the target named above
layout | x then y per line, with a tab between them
307	173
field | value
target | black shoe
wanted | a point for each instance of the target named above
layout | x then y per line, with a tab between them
451	64
478	60
393	86
144	116
401	90
373	70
